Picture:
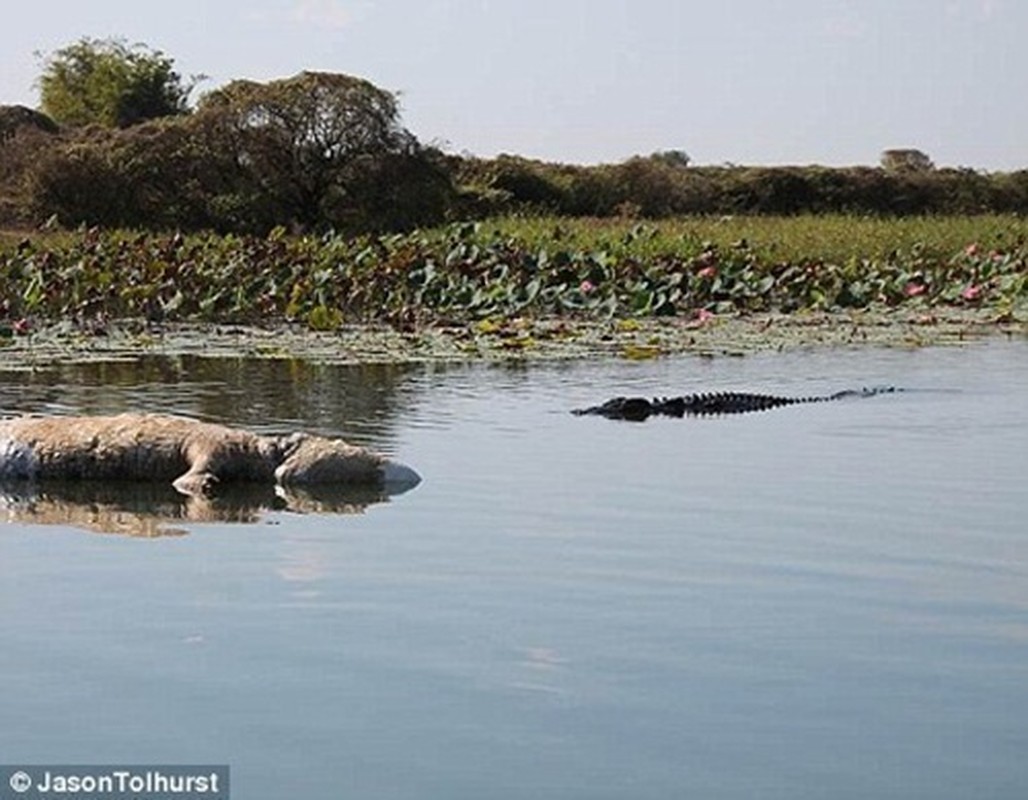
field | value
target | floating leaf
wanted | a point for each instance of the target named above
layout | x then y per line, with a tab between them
323	318
640	352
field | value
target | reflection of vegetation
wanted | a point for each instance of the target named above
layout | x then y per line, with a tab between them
523	267
265	395
150	510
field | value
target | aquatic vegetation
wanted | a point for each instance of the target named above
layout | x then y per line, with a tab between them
510	268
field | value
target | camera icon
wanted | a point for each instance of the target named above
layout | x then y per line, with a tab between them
21	782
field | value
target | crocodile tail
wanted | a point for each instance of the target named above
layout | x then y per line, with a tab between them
733	402
866	391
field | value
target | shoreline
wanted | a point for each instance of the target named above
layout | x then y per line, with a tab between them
522	340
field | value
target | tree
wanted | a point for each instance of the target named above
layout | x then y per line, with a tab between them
107	82
307	145
672	158
906	160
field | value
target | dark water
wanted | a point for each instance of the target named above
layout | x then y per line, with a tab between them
816	601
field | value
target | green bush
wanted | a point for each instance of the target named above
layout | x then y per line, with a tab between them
106	82
653	188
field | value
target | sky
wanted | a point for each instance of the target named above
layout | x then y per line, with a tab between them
767	82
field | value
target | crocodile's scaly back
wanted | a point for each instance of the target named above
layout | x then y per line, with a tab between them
709	404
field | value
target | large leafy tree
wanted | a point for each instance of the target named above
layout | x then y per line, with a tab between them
309	143
107	82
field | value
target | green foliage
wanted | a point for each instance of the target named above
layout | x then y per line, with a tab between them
672	158
313	152
652	188
161	174
514	268
227	168
318	147
906	160
107	82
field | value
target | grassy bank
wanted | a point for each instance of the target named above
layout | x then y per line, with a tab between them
514	268
823	238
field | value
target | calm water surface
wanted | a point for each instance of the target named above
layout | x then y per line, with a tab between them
817	601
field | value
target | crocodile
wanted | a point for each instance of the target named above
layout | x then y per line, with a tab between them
637	409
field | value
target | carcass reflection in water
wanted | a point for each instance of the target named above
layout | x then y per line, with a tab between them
147	509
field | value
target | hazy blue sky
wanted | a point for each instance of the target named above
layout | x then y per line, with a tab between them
745	81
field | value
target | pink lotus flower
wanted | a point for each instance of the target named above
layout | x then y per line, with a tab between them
972	292
913	289
707	272
586	286
702	315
